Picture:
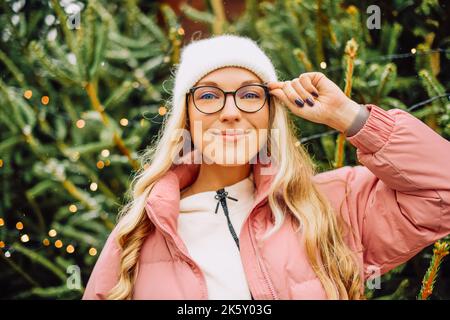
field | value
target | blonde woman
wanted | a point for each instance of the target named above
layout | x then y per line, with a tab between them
228	204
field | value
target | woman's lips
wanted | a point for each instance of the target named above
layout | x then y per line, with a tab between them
231	135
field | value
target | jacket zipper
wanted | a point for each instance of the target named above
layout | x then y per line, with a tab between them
261	264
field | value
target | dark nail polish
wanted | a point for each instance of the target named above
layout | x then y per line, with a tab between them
299	102
310	102
315	94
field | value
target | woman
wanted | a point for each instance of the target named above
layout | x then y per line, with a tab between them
245	216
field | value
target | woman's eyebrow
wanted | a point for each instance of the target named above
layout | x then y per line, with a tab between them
215	84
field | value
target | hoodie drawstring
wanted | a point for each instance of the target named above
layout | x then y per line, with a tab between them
222	196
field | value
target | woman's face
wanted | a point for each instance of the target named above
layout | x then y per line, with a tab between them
230	136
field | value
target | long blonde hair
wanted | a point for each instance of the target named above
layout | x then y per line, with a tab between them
323	230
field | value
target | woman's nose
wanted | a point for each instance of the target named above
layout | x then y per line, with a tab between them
230	111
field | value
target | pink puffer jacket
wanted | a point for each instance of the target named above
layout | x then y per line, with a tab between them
397	204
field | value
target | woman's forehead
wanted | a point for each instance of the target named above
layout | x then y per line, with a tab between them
229	75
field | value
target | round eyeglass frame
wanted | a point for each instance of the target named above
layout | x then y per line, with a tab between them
266	91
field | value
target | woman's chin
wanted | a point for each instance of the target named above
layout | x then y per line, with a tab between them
229	158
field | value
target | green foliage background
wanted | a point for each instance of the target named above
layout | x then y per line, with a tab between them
118	65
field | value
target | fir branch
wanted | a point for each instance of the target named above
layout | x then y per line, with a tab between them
350	50
95	102
39	258
441	249
220	19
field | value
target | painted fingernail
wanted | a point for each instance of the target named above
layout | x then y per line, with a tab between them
315	94
310	102
299	102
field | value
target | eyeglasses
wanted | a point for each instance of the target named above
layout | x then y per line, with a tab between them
209	99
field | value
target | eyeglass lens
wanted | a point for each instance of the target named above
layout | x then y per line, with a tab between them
248	98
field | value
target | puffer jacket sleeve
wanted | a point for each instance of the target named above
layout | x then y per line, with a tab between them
398	200
105	274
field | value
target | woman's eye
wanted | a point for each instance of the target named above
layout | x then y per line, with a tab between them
250	95
207	95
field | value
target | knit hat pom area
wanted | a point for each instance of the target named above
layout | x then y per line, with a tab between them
201	57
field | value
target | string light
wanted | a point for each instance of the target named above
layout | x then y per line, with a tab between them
123	122
162	111
135	84
352	10
105	153
28	94
45	100
419	104
107	162
80	124
92	251
411	108
7	254
75	156
142	122
2	222
58	244
317	135
19	225
100	164
73	208
180	31
70	248
391	57
1	163
2	244
52	233
46	242
25	238
93	186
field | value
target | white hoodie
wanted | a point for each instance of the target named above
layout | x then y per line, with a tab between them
209	241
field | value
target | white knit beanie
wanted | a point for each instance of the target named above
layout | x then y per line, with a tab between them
201	57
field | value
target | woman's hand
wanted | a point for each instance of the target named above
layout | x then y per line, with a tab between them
319	100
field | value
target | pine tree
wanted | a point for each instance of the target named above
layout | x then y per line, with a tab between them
80	95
